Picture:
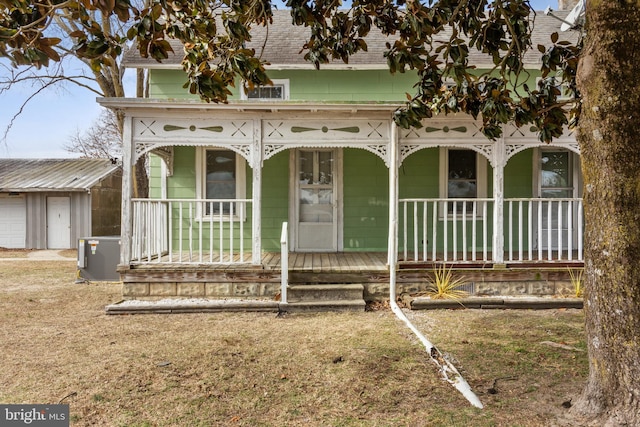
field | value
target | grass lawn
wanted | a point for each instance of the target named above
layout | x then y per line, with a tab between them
253	369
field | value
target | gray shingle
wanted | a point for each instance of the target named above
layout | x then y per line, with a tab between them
283	47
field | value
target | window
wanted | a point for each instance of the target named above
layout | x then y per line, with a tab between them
221	176
316	185
279	90
463	175
559	172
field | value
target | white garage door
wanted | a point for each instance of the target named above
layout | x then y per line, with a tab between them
13	222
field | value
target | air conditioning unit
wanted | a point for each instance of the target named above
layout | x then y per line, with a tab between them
98	258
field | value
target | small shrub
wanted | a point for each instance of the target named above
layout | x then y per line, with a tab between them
444	285
576	281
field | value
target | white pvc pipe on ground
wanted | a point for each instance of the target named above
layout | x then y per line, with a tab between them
448	371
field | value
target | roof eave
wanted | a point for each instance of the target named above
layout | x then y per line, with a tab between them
309	66
241	106
41	189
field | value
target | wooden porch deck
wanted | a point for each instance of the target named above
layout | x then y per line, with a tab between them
319	262
304	261
333	261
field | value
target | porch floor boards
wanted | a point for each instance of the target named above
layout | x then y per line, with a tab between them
319	262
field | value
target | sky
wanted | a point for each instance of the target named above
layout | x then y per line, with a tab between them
49	121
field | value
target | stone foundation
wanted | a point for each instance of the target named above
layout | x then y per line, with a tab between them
372	291
153	283
156	291
380	291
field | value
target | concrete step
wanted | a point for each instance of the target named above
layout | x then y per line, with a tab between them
322	306
196	305
496	302
318	293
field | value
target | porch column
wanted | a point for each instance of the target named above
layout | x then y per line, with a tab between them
498	163
126	219
392	156
256	205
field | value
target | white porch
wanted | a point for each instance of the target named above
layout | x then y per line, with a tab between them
425	236
486	230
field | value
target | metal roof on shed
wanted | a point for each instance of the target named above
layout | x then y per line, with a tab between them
282	47
30	175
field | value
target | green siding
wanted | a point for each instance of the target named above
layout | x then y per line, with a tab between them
165	84
275	199
518	175
366	201
418	175
313	85
182	185
307	85
155	177
518	178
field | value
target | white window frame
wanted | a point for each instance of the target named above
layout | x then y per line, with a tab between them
481	176
276	82
576	170
201	178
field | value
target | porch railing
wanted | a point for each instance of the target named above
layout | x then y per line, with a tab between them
445	229
544	229
191	231
461	230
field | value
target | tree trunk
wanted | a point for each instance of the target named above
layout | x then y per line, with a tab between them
609	137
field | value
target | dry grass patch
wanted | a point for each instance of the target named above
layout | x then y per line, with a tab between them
249	369
69	253
14	253
24	253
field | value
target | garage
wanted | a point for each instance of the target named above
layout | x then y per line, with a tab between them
51	203
13	222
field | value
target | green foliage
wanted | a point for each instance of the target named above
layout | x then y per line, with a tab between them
433	38
443	285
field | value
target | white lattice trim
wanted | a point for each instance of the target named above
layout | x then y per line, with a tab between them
486	150
159	129
144	147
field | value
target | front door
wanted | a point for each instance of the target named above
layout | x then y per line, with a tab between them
58	223
315	206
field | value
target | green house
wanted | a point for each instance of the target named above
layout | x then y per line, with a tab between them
312	175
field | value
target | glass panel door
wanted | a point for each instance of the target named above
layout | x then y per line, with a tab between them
316	201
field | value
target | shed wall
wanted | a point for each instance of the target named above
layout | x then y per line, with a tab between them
37	217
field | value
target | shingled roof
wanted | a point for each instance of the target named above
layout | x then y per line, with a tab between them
283	46
26	175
